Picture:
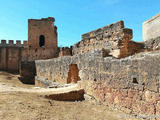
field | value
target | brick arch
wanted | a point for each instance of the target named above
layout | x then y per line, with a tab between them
73	74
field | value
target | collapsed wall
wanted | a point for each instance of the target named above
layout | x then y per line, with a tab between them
115	39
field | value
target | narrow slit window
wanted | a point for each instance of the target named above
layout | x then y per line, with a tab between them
41	40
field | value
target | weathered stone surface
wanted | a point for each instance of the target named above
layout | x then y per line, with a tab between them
131	82
151	28
113	38
152	44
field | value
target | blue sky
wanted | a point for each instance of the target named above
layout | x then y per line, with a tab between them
74	17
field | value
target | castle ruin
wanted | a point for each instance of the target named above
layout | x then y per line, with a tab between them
41	44
106	63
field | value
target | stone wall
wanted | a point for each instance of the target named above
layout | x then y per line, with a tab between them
10	55
41	44
42	39
130	84
113	38
152	44
151	28
42	27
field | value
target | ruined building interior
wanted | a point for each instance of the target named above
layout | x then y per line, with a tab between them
106	64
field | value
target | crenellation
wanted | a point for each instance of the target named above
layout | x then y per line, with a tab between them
25	44
18	43
3	42
41	44
105	63
11	42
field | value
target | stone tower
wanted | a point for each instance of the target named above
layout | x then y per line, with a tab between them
42	38
42	33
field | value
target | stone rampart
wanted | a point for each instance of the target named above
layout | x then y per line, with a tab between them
130	84
10	55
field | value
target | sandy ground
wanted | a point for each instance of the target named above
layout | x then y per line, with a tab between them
23	102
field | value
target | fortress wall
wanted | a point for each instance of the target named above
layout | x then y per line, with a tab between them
2	58
113	38
10	55
13	58
130	84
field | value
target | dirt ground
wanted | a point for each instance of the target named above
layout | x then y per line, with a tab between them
21	105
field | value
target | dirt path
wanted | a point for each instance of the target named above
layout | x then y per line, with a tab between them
23	102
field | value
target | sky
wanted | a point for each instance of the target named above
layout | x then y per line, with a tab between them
74	17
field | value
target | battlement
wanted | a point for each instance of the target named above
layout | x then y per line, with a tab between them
12	44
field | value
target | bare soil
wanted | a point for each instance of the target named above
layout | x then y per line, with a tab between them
21	105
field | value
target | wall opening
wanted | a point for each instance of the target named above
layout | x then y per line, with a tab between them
135	81
73	74
41	40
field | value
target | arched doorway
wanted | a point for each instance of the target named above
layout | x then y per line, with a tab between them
73	74
41	40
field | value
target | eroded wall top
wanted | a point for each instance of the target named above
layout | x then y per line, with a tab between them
113	38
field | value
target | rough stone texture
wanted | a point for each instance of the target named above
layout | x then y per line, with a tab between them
152	44
130	83
151	28
113	38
